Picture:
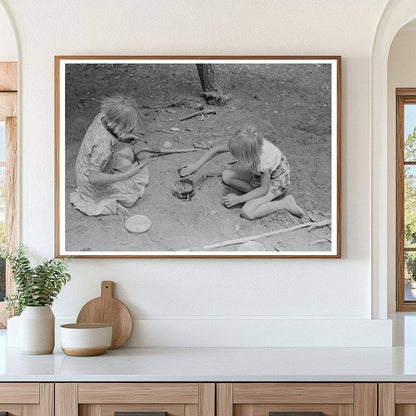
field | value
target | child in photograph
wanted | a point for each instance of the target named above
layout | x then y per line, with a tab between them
263	177
107	177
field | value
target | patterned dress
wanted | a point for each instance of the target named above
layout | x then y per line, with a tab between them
98	152
271	160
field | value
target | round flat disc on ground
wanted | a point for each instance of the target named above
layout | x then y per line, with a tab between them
138	224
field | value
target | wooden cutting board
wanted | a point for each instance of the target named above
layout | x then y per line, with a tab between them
107	309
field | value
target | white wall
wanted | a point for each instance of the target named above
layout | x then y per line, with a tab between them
8	47
179	302
401	74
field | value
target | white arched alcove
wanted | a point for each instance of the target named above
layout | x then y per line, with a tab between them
9	44
396	14
10	51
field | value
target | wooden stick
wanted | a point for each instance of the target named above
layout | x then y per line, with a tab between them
167	151
258	236
201	146
198	113
317	225
158	106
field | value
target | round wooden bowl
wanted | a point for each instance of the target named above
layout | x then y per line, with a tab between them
85	340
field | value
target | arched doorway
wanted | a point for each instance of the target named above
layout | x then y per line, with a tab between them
396	14
8	149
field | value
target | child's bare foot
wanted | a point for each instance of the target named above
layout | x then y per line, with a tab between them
295	209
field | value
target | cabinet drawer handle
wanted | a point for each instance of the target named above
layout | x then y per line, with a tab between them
296	414
138	414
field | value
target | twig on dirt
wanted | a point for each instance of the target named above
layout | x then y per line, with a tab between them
157	107
324	214
163	131
198	113
160	152
201	146
320	224
177	102
323	239
258	236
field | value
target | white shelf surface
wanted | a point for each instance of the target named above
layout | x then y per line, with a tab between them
213	365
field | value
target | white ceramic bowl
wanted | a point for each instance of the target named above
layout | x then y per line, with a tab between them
83	340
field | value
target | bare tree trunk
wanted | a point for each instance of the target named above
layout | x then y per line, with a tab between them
208	77
211	90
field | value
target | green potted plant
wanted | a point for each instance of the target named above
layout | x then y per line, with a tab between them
36	289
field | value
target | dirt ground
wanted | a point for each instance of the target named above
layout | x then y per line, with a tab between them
290	104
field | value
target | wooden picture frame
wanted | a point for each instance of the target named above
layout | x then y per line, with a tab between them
294	104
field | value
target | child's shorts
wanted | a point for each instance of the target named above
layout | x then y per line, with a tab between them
279	179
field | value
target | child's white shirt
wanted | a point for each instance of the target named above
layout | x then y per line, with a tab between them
269	159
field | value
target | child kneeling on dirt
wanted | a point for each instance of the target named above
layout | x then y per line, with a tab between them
108	179
263	177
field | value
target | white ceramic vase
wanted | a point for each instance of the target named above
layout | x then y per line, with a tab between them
37	330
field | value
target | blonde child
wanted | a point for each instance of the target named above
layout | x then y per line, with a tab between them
263	177
107	177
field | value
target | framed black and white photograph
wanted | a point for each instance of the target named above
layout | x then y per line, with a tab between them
198	156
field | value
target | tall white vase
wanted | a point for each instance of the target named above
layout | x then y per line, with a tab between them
37	330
